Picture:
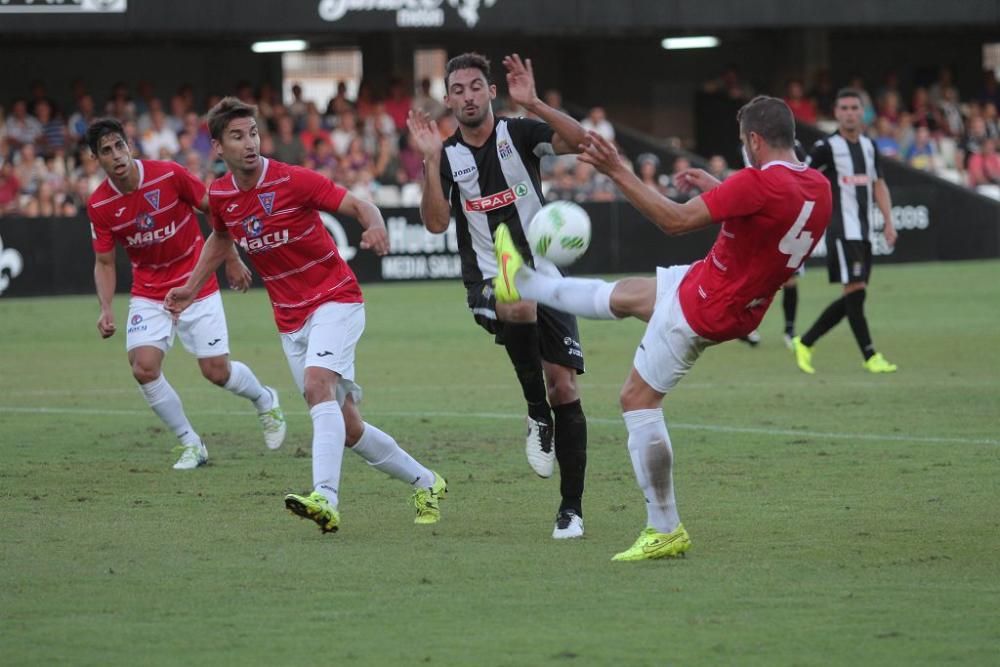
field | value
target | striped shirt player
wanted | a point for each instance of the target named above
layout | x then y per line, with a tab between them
850	162
484	175
271	210
148	207
852	167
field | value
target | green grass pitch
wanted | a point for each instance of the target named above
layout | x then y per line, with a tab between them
841	518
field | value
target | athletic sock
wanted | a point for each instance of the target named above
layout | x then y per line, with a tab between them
327	448
243	382
855	306
571	454
167	405
584	297
826	321
382	452
522	345
790	304
652	460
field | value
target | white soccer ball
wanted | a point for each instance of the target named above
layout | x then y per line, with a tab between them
559	232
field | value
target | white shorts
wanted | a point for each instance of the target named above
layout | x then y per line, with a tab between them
327	340
201	327
669	347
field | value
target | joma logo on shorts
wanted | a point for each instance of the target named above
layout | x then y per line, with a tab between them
265	242
153	236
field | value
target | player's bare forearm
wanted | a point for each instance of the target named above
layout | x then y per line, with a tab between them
105	279
883	200
435	211
217	249
569	134
671	217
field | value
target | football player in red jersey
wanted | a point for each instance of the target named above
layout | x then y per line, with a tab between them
271	210
147	206
772	213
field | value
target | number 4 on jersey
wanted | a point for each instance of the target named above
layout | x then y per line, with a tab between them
795	242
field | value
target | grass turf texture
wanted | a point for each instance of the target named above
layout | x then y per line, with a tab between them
837	519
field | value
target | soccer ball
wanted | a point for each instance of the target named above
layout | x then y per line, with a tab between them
559	232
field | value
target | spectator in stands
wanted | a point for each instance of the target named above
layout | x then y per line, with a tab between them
201	140
48	207
297	107
377	124
411	161
52	141
288	148
597	121
944	84
924	113
364	105
984	166
143	101
21	127
803	108
81	118
890	86
178	113
730	84
387	169
952	122
339	103
10	188
889	106
322	156
824	93
159	142
648	167
554	99
88	175
267	103
885	138
398	103
29	168
923	154
120	104
313	129
990	91
563	185
677	190
356	159
718	167
992	120
345	132
428	103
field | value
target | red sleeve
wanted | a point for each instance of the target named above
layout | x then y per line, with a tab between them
316	191
101	237
738	196
214	219
189	188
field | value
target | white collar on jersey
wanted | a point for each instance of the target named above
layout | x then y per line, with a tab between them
263	173
783	163
142	177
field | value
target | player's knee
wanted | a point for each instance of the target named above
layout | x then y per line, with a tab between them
355	427
144	373
216	373
562	390
317	391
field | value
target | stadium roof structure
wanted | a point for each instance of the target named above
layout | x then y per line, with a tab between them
240	18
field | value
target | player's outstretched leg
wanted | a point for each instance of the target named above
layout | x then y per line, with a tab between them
237	378
383	453
577	296
165	402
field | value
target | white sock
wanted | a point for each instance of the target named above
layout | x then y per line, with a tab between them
585	297
327	448
167	406
243	382
384	454
652	460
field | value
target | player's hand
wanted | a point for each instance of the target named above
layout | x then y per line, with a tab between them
238	275
425	133
601	153
376	240
520	80
889	232
178	299
106	324
690	179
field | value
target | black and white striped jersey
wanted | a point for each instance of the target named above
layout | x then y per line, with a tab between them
852	168
494	183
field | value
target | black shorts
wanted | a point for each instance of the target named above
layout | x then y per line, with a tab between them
558	333
848	261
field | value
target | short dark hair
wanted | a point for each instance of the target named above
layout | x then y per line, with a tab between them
467	61
225	112
101	128
847	92
769	117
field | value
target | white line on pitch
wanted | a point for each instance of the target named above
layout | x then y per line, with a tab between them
713	428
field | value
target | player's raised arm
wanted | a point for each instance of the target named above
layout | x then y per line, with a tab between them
374	237
218	245
671	217
569	134
238	276
435	212
104	280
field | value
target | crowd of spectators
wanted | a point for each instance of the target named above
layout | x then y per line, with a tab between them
929	127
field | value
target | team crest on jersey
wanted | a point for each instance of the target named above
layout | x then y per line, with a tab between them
153	197
145	222
253	226
505	149
266	200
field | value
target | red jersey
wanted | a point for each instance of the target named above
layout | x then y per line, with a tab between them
772	218
277	223
156	225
